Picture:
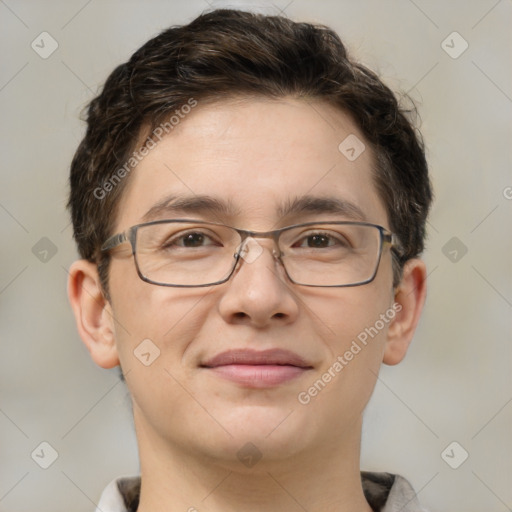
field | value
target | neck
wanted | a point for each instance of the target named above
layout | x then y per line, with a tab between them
325	478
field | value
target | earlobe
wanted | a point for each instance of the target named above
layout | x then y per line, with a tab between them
409	299
93	313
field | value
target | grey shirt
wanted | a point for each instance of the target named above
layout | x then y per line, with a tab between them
383	491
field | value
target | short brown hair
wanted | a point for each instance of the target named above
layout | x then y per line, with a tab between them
225	53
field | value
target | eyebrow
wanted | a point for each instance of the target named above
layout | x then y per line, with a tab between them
196	204
329	205
209	205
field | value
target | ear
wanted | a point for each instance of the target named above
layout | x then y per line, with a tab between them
93	313
409	299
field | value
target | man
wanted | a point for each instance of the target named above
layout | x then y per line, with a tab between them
249	205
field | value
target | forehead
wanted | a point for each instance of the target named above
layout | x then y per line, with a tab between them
257	159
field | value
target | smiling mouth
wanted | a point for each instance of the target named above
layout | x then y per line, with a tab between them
257	369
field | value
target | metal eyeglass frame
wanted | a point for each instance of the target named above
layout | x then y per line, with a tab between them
130	235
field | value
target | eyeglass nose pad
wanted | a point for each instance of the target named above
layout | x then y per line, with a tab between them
249	250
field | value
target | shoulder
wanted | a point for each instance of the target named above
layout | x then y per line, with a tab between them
386	492
120	495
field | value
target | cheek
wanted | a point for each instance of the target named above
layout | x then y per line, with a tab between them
161	321
351	314
154	327
354	335
354	324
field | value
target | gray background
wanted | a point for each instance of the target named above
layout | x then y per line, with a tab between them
456	382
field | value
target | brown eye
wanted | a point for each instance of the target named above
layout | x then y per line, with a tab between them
193	239
189	240
318	241
321	240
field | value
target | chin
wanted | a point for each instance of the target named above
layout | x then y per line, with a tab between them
278	432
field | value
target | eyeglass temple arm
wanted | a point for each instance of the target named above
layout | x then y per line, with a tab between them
114	241
394	242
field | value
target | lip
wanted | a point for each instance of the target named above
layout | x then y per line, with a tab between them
257	369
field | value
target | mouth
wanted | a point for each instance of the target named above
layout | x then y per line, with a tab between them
257	369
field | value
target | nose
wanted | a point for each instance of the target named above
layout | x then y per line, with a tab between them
259	293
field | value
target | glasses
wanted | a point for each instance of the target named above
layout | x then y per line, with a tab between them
190	253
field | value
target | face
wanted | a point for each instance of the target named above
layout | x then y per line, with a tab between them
255	156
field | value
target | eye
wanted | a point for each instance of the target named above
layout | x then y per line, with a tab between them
319	240
192	239
322	240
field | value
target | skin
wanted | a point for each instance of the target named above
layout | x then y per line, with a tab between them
190	424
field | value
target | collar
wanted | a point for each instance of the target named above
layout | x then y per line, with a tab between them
383	491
